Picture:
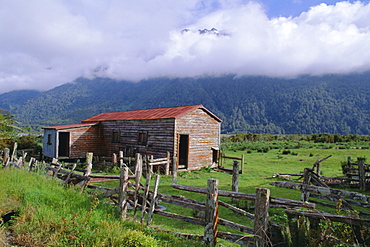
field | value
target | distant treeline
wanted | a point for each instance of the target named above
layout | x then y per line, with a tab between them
316	138
266	142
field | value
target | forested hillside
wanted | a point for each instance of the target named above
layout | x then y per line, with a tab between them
306	105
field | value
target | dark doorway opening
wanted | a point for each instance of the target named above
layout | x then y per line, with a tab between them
63	148
215	155
183	151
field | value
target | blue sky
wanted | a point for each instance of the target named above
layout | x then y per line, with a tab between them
46	43
276	8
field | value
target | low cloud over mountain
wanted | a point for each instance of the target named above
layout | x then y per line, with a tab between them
48	43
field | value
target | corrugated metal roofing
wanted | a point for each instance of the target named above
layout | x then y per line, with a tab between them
71	126
156	113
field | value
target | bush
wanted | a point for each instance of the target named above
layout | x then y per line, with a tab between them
133	238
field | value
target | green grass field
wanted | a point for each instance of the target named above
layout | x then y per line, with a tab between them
259	170
69	217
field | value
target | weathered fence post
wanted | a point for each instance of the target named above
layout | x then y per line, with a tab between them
138	172
6	157
361	173
211	213
56	173
154	200
174	170
306	180
167	172
145	197
70	174
24	154
261	217
30	164
121	159
14	154
114	159
122	200
89	160
235	179
150	160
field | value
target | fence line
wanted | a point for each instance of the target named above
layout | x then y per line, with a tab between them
141	197
222	162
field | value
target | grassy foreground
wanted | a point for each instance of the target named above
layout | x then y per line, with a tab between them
52	215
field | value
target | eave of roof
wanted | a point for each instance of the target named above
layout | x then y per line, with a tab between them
71	126
146	114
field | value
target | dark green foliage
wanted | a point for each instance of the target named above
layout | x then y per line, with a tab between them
7	128
336	104
264	142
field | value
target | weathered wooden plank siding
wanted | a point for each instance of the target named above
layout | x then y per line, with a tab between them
203	131
83	140
160	136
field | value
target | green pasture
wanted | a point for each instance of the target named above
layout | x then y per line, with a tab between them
46	206
259	169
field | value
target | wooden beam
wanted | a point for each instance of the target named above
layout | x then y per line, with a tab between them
244	196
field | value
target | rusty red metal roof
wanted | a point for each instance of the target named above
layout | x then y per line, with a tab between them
71	126
156	113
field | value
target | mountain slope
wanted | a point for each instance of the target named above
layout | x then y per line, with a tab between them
333	104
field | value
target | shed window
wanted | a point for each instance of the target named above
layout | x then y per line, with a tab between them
49	139
142	137
115	136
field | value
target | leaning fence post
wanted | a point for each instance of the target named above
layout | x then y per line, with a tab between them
6	157
14	154
174	170
145	197
154	200
30	163
122	200
261	217
235	179
70	174
211	213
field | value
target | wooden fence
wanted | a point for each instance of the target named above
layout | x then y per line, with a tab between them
357	173
222	162
131	193
17	158
141	197
342	199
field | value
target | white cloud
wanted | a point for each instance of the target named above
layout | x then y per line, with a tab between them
47	43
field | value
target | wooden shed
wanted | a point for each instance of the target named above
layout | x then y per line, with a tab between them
190	133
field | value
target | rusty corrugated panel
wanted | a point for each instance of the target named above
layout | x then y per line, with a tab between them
70	126
156	113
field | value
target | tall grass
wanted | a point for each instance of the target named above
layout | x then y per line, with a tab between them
51	215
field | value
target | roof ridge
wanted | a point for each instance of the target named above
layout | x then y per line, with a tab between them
151	113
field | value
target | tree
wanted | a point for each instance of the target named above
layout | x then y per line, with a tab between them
7	128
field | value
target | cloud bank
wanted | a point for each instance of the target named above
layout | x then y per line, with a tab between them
50	42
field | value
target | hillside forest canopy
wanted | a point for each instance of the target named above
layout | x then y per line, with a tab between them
335	104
